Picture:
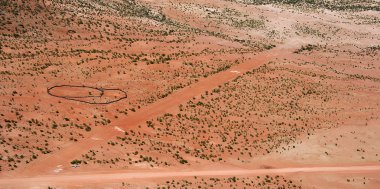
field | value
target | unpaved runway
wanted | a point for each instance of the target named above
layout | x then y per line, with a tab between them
46	164
122	176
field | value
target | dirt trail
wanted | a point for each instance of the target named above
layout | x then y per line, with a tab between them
124	175
48	163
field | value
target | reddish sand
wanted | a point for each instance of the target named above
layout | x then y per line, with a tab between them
125	176
220	94
69	152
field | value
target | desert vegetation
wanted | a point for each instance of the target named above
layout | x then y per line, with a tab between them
253	115
59	47
125	86
265	181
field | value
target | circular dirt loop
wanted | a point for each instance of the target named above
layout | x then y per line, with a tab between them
87	94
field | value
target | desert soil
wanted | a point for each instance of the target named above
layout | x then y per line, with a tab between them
219	94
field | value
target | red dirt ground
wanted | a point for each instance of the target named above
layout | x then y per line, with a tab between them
220	94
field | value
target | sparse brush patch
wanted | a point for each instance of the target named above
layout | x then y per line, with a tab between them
337	5
308	47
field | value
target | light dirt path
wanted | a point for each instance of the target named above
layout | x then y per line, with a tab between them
46	164
120	176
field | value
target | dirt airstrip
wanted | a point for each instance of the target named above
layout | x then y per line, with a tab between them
189	94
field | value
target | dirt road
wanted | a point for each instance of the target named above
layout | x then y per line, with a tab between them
48	163
120	176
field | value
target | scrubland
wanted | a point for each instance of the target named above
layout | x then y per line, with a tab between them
195	85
